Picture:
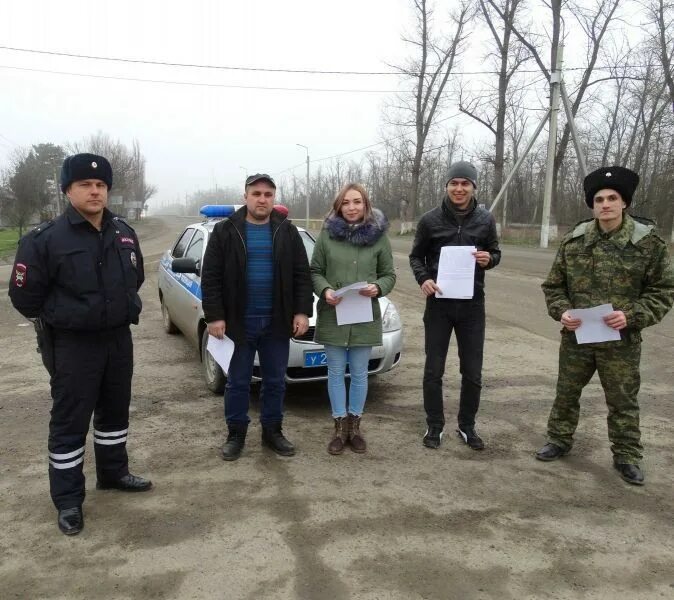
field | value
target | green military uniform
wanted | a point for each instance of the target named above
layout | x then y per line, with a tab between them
630	269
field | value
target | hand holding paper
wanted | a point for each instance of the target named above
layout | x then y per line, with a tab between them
353	308
593	328
221	350
456	272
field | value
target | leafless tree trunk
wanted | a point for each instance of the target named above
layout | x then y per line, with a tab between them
663	13
430	70
509	57
595	24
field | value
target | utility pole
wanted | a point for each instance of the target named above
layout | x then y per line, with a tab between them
555	80
560	89
307	192
504	212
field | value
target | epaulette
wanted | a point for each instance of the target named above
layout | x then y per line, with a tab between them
122	220
42	227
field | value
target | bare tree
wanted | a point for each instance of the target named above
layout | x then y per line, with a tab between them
595	23
28	192
128	167
429	70
662	14
490	108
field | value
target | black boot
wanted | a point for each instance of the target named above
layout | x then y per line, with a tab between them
236	439
71	520
630	473
128	483
550	452
273	438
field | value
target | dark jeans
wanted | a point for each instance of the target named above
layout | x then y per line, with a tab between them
466	318
273	353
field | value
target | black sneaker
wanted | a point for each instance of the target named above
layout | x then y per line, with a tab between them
433	437
470	437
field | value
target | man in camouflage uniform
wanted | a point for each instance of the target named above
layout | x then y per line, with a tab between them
612	258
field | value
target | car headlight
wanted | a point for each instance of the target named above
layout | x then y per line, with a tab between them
390	320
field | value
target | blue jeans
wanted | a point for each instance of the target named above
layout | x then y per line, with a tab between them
273	352
358	358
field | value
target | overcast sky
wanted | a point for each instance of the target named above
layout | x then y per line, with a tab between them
194	136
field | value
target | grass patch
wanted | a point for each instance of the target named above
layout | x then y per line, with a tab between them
9	236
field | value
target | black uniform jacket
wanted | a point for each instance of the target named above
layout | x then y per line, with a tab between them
76	277
440	227
223	278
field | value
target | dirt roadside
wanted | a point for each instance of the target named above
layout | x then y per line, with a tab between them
400	522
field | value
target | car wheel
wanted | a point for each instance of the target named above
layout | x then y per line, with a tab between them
169	326
213	375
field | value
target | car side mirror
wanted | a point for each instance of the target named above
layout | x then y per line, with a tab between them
185	265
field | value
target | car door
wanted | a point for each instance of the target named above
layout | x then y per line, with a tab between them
172	289
190	310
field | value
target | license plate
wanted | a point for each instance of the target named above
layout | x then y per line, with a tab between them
316	358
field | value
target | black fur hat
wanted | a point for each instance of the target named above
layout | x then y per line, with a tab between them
85	166
620	179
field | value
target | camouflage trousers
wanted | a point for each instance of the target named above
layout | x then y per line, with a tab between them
617	364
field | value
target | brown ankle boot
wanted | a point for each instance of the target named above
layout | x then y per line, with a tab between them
336	445
356	439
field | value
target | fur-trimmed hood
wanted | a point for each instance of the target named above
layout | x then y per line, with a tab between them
361	234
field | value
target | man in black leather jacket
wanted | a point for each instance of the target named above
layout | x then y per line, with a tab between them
79	276
458	221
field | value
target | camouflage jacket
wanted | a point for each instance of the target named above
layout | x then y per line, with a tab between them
629	269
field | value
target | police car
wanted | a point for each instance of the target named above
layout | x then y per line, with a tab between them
180	296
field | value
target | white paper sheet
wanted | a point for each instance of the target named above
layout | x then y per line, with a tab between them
359	285
221	350
593	329
353	308
456	272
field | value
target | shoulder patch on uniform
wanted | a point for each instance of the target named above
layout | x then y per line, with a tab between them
20	277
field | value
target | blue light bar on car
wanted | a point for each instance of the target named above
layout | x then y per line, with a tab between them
217	210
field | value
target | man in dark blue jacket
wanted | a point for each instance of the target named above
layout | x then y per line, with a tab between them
77	277
458	221
257	289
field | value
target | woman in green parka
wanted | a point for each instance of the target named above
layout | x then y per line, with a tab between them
351	247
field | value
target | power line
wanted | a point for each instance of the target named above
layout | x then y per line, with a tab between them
227	85
272	69
386	141
199	84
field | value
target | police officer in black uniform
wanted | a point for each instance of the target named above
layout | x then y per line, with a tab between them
78	277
